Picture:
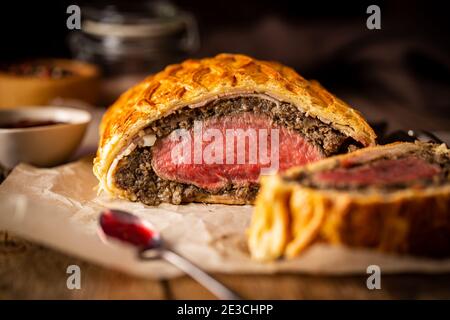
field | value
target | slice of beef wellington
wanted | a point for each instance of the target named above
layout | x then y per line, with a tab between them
393	198
204	131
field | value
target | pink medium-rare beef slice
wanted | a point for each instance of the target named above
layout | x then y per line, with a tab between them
380	172
212	162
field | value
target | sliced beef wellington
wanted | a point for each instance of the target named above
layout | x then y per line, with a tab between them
168	138
393	198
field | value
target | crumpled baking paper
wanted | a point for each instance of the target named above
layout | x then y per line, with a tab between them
59	208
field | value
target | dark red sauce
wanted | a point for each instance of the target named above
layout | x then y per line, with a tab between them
25	123
128	228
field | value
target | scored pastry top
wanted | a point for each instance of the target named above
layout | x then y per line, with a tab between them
195	81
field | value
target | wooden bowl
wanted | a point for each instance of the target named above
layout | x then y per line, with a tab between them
21	90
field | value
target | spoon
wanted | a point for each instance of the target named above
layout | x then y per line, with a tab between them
129	228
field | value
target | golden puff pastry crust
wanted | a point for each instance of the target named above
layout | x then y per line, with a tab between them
289	217
195	82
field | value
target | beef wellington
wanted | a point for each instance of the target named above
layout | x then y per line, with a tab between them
393	198
204	130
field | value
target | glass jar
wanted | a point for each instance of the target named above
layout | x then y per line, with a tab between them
130	41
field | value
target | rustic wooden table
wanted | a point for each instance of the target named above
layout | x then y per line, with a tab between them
30	271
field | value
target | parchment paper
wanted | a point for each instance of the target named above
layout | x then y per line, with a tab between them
59	207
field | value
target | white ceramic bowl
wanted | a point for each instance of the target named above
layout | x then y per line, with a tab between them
44	145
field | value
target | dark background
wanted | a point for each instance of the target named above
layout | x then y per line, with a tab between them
401	72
